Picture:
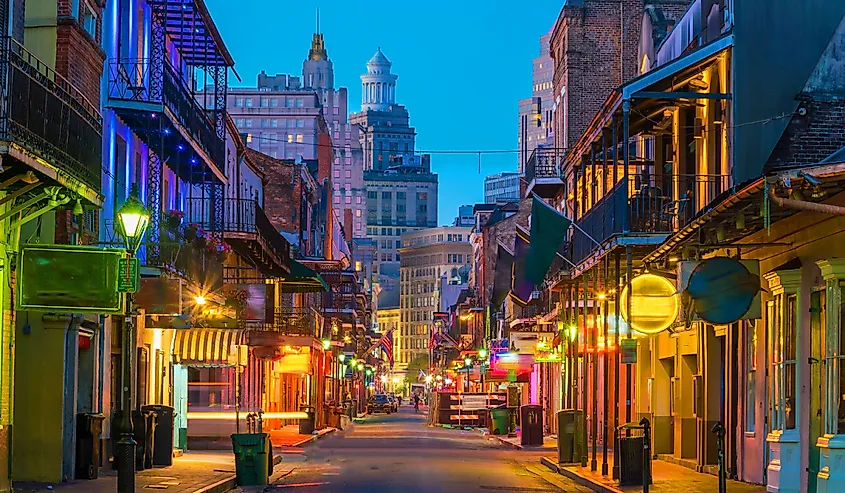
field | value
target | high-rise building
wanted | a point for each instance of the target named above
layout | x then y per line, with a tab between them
502	187
281	117
427	256
536	113
465	217
384	126
401	189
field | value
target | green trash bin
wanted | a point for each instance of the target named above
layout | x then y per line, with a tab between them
252	455
500	418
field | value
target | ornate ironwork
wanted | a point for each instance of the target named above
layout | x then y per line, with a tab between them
158	45
48	116
220	75
154	173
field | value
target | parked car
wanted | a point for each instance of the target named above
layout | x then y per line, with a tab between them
379	403
397	397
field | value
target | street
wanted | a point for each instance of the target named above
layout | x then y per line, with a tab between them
398	452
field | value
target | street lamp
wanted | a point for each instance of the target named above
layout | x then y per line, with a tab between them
132	220
468	365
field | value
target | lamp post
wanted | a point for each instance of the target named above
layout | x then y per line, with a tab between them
468	365
132	220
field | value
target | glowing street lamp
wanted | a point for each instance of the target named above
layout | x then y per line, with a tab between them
341	357
132	221
482	353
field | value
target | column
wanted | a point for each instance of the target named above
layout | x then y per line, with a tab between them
784	467
831	444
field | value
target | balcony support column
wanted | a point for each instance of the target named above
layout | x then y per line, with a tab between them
626	153
584	372
593	199
615	140
154	172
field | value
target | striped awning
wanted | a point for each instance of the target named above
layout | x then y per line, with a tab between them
206	347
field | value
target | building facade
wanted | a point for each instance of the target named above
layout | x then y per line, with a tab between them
281	117
426	257
536	114
465	217
502	187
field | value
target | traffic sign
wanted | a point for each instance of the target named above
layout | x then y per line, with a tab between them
129	275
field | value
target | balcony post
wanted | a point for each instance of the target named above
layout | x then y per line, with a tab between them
615	139
626	153
593	174
584	373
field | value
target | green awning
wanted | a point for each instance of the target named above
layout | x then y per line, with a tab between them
303	279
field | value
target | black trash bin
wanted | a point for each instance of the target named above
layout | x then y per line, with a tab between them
306	425
631	461
143	428
566	436
531	419
162	450
89	431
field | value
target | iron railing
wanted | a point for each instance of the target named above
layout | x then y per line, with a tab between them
297	321
239	216
48	116
138	80
645	204
191	260
544	163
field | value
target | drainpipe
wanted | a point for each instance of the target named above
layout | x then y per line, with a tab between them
803	205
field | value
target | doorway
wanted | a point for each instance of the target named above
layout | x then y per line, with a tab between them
817	329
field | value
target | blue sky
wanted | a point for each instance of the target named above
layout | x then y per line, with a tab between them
462	66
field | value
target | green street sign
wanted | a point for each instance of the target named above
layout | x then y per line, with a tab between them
129	275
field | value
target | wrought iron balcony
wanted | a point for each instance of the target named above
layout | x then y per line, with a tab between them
43	115
245	225
543	171
646	205
297	321
188	257
142	89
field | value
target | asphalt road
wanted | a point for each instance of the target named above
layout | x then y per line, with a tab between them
399	453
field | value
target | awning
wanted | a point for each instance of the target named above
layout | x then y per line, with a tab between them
206	347
303	279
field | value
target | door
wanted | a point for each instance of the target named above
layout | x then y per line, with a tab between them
817	321
180	405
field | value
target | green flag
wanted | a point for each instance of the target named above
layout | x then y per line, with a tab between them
548	230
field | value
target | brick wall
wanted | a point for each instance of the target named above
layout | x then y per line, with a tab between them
594	48
282	191
811	137
79	59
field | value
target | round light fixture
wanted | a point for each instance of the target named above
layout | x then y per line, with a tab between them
654	304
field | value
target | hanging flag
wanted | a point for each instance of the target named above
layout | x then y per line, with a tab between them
387	344
548	230
521	287
502	275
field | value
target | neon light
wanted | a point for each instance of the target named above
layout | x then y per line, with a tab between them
230	416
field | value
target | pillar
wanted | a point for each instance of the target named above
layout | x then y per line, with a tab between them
831	444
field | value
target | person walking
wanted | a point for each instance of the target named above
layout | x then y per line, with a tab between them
416	403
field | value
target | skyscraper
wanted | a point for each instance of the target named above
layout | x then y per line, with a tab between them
537	112
281	116
401	189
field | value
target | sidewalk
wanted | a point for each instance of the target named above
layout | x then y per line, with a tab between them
289	436
194	472
666	478
549	443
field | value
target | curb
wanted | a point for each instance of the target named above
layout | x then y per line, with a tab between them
578	478
222	486
503	440
312	438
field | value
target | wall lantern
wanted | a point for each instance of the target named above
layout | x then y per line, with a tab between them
654	304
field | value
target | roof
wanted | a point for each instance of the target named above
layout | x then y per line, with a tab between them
388	298
379	59
200	44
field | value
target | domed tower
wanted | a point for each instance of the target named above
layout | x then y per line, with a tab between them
378	85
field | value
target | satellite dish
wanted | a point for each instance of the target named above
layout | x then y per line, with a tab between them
720	290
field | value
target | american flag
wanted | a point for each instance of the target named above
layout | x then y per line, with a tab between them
386	343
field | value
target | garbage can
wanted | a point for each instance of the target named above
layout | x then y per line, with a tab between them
162	449
142	432
501	418
306	425
566	437
89	431
252	464
631	461
531	419
149	438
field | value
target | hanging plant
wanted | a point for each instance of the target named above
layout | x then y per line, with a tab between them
190	232
174	218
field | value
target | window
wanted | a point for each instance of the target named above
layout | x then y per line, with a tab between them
274	123
386	195
299	103
274	102
265	103
358	199
239	103
337	199
248	123
290	123
832	321
336	110
357	212
348	199
422	196
299	138
750	376
239	122
290	138
89	19
337	173
248	102
300	123
401	196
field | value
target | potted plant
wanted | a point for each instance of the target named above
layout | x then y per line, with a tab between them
174	218
224	250
190	232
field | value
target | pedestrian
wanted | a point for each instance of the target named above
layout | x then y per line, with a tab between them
416	402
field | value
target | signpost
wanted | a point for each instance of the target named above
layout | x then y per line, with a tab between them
129	275
628	351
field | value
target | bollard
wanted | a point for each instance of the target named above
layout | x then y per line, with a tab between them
646	453
719	430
